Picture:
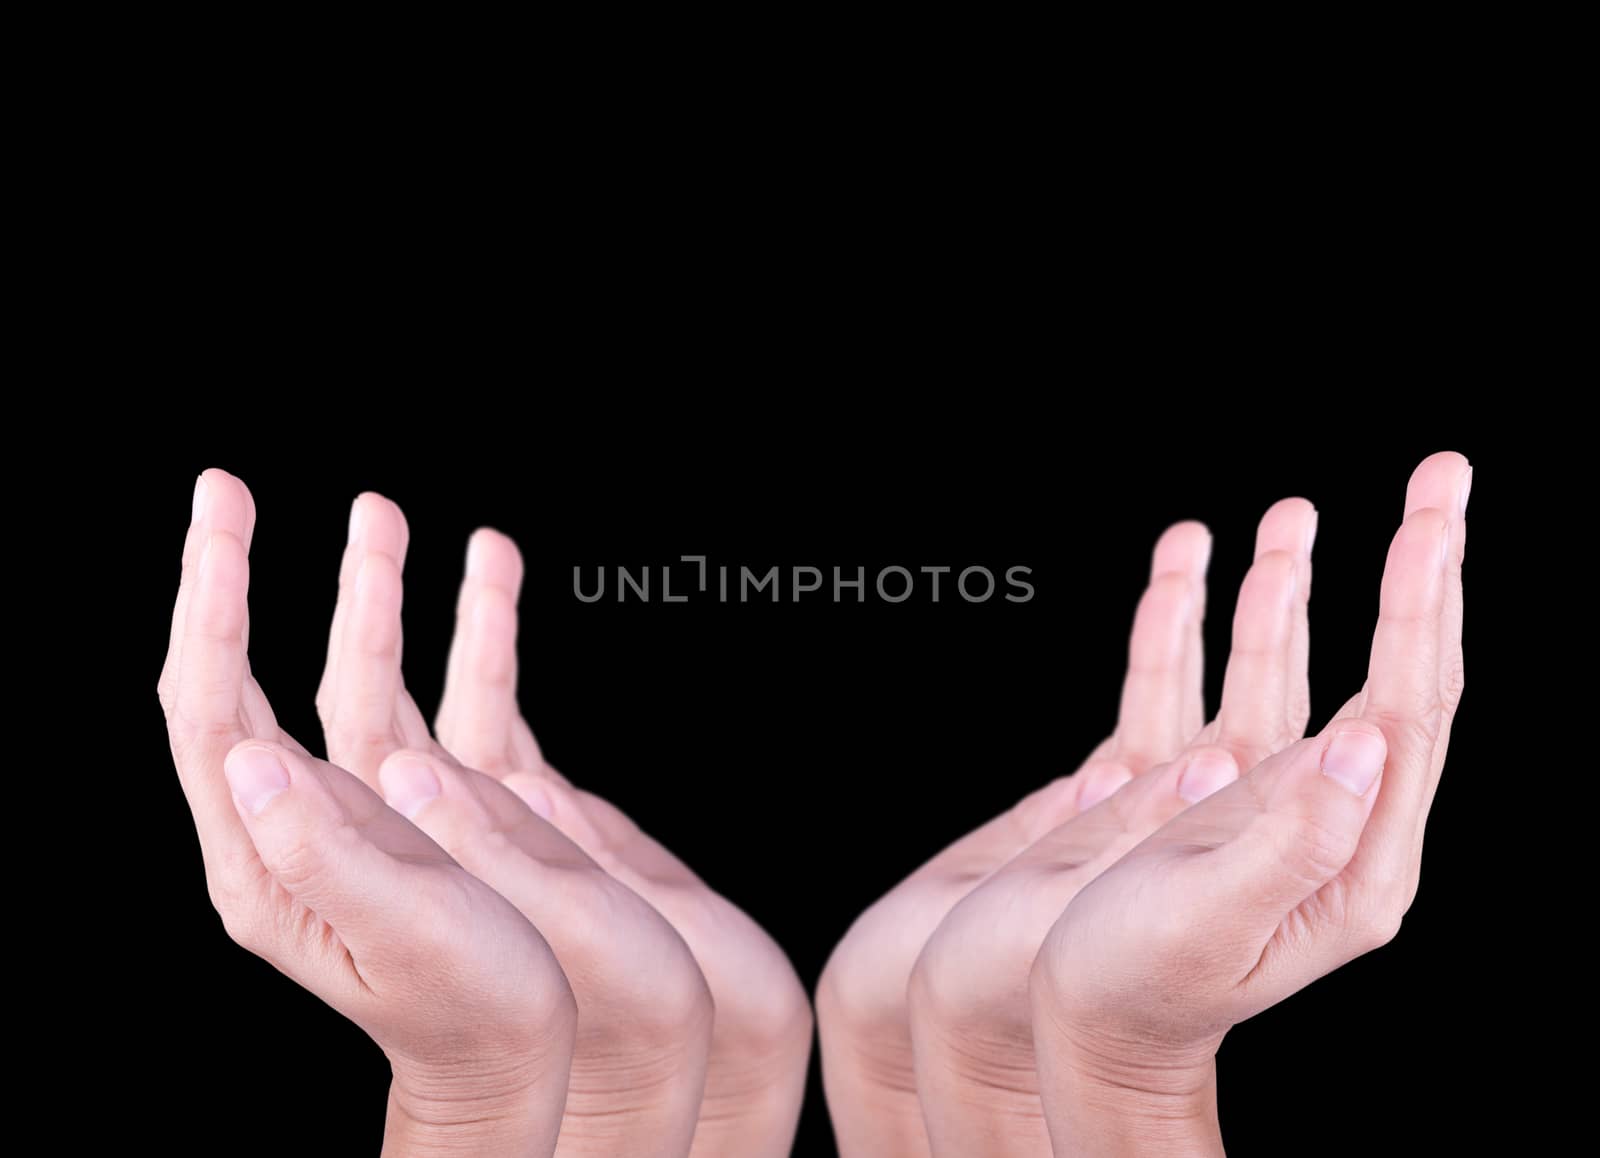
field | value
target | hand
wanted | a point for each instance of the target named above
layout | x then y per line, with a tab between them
644	1013
630	970
310	870
1307	861
970	1015
862	999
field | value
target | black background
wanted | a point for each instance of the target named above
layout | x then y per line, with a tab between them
839	319
804	757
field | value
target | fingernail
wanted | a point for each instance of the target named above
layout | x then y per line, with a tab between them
1466	490
408	784
1311	533
1101	784
536	797
475	558
1207	772
256	775
355	520
199	505
1354	760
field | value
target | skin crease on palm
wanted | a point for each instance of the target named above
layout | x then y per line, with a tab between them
612	902
310	870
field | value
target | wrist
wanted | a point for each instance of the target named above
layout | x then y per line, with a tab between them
1101	1119
1109	1105
439	1116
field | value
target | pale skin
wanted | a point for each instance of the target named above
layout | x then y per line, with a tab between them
929	1006
311	870
644	1011
442	893
872	1074
1307	861
646	943
970	1015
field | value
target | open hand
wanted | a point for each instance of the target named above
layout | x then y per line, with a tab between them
862	1001
1308	860
312	871
571	861
970	1014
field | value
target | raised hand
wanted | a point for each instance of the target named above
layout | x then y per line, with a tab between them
970	1014
862	1000
640	1024
1308	860
310	870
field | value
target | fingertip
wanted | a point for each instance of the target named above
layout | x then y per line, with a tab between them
409	781
1208	770
533	792
1100	779
1439	480
494	560
1353	755
378	523
1184	548
1289	525
257	775
223	503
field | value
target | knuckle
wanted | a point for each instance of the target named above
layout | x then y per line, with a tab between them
1316	850
1379	926
239	920
1453	683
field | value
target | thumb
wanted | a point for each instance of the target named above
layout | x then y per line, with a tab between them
321	854
1310	803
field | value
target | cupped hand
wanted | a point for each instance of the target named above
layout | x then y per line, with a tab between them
862	1004
1308	860
970	1014
486	794
312	871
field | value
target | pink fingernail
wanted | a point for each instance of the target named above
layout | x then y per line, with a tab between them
1100	785
355	520
1466	490
198	507
408	784
1207	772
1311	533
475	558
1354	760
537	798
256	775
